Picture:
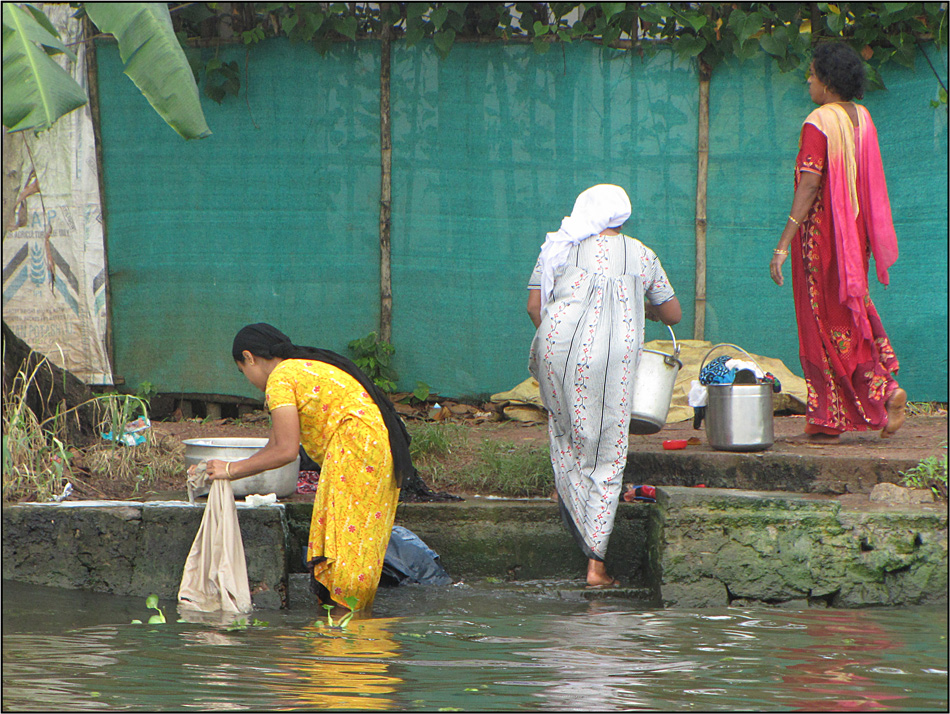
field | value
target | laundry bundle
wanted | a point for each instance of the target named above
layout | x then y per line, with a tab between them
215	574
725	370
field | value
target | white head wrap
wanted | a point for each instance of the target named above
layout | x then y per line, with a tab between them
599	207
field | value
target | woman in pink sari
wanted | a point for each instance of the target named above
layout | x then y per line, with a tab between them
840	216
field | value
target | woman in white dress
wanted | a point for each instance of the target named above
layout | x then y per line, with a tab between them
586	297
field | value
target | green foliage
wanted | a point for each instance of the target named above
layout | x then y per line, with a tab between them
37	91
146	392
418	395
422	391
499	468
154	61
930	472
374	357
222	79
709	32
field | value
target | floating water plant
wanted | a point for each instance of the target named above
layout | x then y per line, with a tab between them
350	602
243	624
152	602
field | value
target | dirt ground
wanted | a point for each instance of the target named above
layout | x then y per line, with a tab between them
921	436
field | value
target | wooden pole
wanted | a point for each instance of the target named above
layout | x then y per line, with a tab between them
702	170
385	184
92	82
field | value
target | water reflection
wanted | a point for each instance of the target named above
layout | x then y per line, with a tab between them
339	669
841	644
471	649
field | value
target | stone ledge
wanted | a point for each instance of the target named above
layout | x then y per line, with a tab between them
763	471
505	539
130	548
693	548
718	546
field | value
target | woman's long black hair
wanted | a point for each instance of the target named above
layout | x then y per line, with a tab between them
263	340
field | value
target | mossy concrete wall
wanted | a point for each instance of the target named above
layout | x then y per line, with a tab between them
694	548
508	540
130	548
717	547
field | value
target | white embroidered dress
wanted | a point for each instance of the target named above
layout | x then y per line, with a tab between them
584	356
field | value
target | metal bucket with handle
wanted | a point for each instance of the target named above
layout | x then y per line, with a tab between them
739	416
653	389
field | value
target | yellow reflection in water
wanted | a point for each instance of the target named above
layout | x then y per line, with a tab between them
342	669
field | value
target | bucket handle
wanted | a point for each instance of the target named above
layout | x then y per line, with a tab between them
729	344
671	360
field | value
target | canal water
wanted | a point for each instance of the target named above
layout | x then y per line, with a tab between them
469	647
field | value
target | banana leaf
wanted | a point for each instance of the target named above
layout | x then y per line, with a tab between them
36	90
154	61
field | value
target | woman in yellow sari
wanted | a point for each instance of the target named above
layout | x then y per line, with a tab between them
322	401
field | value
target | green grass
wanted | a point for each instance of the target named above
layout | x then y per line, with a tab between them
434	439
448	460
505	469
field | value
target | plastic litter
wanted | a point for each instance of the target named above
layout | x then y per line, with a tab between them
65	494
133	434
640	493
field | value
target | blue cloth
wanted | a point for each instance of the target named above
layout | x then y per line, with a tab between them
716	372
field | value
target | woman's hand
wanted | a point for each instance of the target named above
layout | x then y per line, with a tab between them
649	312
217	469
775	268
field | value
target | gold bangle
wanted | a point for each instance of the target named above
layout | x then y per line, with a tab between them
793	220
778	251
227	469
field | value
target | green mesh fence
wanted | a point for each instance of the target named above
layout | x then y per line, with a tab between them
275	217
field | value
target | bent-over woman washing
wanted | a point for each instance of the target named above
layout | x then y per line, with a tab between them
322	401
586	297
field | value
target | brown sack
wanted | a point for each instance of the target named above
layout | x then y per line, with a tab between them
215	575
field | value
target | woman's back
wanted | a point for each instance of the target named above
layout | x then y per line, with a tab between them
617	255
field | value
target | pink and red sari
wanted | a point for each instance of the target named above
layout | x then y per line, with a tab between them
847	359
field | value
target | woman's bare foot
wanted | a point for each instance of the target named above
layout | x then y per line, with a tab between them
597	575
896	413
820	438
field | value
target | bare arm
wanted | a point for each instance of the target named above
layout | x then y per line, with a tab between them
534	307
805	194
669	312
282	447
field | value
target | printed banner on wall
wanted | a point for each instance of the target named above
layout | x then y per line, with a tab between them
54	288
